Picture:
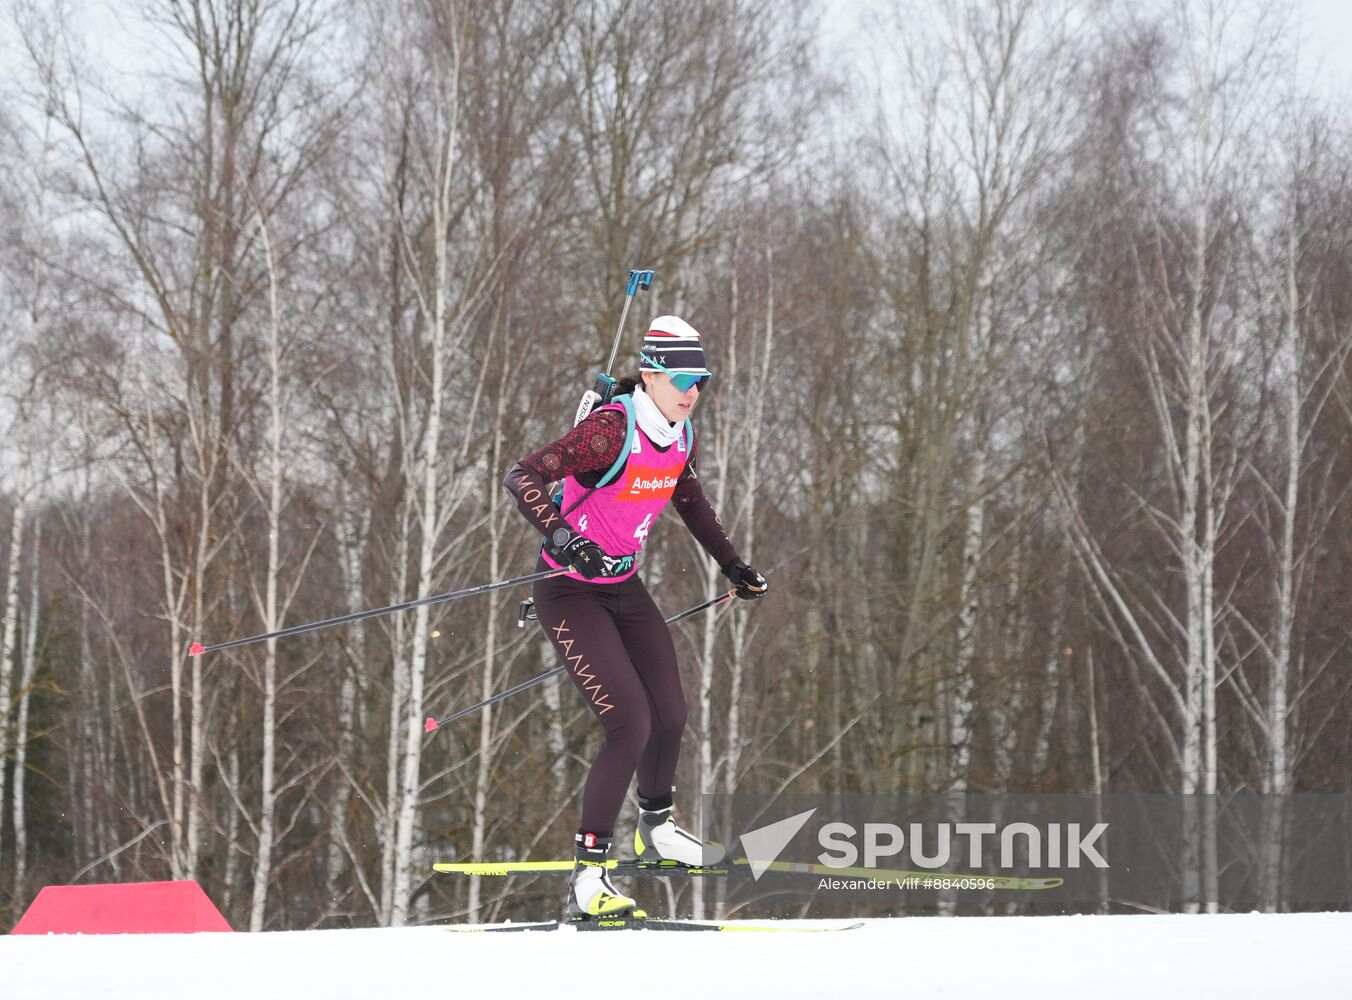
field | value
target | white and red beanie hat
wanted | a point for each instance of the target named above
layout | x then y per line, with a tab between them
674	345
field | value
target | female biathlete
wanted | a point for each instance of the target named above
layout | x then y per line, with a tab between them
600	616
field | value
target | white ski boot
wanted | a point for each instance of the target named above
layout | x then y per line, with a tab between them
658	838
590	891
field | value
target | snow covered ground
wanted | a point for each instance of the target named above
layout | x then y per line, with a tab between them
1242	955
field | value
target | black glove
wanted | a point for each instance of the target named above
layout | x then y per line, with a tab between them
746	581
586	557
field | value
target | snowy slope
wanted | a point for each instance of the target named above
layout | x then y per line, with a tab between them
1244	955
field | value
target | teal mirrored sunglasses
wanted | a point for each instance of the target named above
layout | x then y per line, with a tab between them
681	381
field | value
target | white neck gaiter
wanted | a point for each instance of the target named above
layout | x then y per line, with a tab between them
652	423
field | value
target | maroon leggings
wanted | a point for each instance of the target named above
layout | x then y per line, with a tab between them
619	653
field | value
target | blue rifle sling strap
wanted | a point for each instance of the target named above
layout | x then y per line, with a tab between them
626	403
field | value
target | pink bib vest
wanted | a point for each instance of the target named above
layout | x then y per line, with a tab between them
619	516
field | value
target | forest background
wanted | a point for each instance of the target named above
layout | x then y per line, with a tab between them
1031	326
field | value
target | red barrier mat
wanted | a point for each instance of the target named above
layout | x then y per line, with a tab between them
130	908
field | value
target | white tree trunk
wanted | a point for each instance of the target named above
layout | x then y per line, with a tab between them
271	613
1096	767
232	826
30	659
429	513
960	704
707	778
10	626
409	784
156	510
352	532
487	677
1277	770
742	619
88	750
197	737
1197	537
35	303
399	653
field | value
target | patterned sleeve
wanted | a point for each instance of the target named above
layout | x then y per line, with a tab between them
699	516
586	451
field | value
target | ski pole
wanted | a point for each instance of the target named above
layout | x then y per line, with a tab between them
605	384
432	725
197	649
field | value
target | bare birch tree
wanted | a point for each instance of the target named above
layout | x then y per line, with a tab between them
21	735
1297	502
968	136
446	297
1183	266
189	248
